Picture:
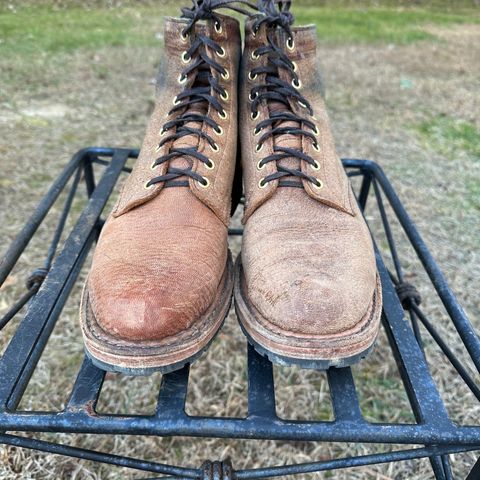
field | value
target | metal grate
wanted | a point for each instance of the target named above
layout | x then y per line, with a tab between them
49	288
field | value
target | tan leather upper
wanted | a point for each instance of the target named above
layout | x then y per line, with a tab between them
163	251
307	254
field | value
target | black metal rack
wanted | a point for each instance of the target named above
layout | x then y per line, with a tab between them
48	288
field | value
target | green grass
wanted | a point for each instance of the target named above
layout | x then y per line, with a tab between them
42	30
447	136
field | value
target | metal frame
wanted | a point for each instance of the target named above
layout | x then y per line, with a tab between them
49	287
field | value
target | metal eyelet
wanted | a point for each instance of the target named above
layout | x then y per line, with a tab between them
290	44
163	132
221	53
318	185
211	165
185	37
255	115
316	147
297	83
225	96
252	76
215	148
303	105
186	58
295	66
182	79
157	148
316	166
218	27
148	185
316	131
225	75
254	33
261	167
153	166
259	148
205	183
257	132
218	131
262	183
254	55
252	97
176	101
223	115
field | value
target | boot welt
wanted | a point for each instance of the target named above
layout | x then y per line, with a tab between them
114	354
318	352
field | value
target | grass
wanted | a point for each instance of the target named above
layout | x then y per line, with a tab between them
37	30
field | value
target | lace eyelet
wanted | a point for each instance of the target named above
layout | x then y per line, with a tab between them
303	105
224	96
176	101
215	148
218	27
316	166
257	132
157	148
254	55
291	44
205	183
186	58
153	166
218	131
259	148
148	185
318	185
262	183
163	132
211	165
225	75
252	97
182	79
252	76
295	66
255	115
296	83
316	131
261	167
316	147
221	53
185	37
254	33
223	115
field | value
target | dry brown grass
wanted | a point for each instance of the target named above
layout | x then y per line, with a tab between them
376	95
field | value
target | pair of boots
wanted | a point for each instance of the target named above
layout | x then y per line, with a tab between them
306	287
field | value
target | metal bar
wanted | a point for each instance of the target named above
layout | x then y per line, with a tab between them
462	371
13	363
456	312
437	467
361	461
344	396
87	387
23	238
261	390
421	389
84	454
364	190
447	468
475	471
18	305
173	393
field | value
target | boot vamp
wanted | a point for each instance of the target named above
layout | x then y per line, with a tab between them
309	269
157	268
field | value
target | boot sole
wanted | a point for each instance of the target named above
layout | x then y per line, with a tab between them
114	354
313	352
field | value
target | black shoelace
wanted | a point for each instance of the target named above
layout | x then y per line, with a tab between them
277	90
205	91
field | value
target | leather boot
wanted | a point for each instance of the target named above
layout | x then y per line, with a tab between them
161	280
306	288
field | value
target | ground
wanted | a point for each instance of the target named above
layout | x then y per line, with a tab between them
402	89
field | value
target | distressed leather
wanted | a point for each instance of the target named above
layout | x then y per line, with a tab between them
162	253
307	254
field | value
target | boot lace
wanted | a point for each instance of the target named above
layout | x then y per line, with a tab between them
205	91
278	90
